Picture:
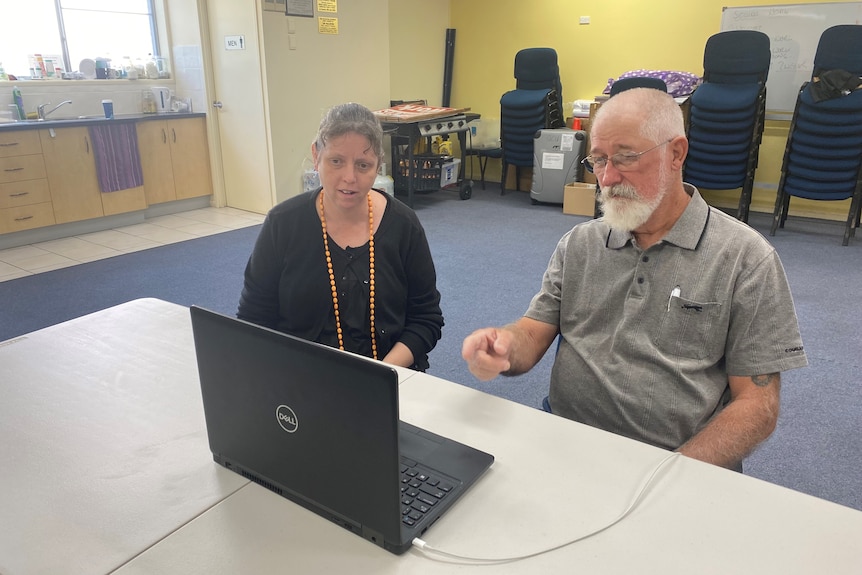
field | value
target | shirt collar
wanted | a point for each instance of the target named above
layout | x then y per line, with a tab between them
685	233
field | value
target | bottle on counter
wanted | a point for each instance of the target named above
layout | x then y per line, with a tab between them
148	102
3	75
18	101
152	68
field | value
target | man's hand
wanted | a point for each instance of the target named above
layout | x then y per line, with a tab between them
511	350
487	352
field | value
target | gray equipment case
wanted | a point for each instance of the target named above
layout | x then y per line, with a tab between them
557	154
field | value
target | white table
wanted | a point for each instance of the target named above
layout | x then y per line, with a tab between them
106	464
104	450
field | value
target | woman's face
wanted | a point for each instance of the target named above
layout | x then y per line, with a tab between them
347	168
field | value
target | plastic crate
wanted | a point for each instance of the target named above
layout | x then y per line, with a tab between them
426	172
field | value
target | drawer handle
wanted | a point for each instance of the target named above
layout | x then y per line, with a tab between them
19	194
9	144
13	169
24	219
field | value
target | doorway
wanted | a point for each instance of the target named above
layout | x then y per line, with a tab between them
236	85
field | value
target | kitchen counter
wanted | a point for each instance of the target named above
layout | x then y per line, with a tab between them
53	186
93	120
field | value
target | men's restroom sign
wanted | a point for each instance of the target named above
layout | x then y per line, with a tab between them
234	42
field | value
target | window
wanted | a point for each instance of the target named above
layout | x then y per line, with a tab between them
73	30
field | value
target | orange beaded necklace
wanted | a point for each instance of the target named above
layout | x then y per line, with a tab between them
370	274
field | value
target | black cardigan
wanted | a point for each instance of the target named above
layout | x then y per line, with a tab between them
287	285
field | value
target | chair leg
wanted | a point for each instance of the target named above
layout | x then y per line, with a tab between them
785	211
518	178
853	216
503	178
776	213
745	199
482	166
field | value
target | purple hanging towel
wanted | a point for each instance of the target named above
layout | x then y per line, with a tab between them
118	161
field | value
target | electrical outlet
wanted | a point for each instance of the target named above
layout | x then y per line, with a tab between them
584	20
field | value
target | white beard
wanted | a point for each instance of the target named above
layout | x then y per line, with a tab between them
623	208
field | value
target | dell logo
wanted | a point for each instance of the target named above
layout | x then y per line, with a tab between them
286	418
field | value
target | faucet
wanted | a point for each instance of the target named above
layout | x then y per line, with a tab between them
40	109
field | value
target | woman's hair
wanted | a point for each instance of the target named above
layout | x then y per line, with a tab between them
351	118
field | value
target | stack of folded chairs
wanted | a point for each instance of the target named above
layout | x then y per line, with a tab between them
823	155
534	104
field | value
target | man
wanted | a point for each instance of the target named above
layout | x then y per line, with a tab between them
675	319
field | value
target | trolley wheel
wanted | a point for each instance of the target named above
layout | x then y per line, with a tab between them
466	190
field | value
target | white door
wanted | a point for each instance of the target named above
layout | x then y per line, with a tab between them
238	103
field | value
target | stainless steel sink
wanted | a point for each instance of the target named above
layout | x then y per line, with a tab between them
60	120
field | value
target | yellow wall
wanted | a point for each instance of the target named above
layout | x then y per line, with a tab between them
622	35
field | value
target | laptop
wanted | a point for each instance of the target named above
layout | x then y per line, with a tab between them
320	427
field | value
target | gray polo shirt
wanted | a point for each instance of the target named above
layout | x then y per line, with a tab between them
650	336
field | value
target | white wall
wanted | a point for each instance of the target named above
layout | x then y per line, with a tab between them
322	70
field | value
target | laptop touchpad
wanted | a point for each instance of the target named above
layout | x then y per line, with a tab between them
416	445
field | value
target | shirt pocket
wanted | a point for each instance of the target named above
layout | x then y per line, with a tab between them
693	329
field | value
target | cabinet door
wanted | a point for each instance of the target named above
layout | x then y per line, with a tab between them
190	157
155	149
71	170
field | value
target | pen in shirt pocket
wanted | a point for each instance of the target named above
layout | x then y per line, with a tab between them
673	293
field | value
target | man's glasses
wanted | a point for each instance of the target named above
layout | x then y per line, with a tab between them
623	162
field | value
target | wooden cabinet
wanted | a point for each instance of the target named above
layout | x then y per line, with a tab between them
71	170
174	159
155	149
48	175
25	199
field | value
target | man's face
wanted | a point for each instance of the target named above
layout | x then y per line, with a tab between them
627	206
635	178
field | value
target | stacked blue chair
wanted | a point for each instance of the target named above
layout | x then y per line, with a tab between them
533	105
823	155
727	114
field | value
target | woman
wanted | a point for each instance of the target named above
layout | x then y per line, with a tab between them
346	265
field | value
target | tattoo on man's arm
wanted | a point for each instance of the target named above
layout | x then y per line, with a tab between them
764	380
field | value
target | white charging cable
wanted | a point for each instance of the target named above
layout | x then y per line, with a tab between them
454	558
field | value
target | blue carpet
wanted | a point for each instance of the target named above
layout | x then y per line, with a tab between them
205	271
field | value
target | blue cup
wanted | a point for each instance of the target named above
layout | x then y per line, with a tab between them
108	106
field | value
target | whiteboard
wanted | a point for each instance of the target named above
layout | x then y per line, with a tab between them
794	31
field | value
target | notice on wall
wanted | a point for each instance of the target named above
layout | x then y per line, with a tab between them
234	42
327	25
330	6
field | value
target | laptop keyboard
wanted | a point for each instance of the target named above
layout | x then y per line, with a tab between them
420	491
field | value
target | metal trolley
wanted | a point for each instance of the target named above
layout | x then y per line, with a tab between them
414	172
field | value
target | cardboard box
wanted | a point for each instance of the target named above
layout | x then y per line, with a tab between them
449	172
579	199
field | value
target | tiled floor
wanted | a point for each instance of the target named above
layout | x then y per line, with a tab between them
51	255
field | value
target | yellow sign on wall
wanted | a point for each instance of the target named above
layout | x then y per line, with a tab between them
327	6
327	25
